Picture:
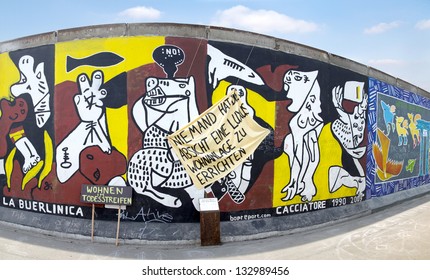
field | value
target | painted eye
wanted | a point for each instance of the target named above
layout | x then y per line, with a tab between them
297	78
151	82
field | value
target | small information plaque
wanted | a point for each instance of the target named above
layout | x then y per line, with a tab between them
208	204
210	228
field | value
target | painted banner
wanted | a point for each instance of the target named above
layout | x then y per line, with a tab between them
218	141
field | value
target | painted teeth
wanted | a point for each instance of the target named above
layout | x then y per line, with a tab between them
155	97
155	92
155	101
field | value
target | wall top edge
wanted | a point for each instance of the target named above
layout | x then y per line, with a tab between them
197	31
347	63
29	41
378	74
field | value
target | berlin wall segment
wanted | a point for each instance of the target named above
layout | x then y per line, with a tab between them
99	111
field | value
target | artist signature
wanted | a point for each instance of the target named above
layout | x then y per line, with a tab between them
147	216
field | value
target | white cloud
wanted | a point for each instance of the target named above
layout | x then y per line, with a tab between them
424	24
261	21
140	13
382	27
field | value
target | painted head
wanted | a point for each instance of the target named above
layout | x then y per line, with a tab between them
298	85
13	111
169	101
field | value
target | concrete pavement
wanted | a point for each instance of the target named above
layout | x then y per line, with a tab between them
398	232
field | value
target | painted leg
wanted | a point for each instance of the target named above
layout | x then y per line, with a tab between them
311	157
339	177
290	190
31	157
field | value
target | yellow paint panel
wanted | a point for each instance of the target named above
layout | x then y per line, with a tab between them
255	100
263	109
330	155
9	74
220	91
136	51
117	125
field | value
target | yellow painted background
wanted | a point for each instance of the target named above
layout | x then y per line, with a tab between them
9	74
330	153
263	109
136	51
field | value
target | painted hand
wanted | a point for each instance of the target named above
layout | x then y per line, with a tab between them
89	101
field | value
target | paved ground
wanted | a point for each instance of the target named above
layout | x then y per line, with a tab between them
400	232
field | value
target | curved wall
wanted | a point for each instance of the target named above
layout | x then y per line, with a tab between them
315	139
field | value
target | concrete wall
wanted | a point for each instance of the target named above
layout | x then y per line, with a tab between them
94	106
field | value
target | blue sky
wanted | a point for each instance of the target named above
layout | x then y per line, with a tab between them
392	36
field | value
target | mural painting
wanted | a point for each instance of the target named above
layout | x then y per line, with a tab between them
294	98
26	122
399	148
100	111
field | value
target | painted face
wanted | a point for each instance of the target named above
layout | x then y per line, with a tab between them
243	94
162	94
94	165
169	102
15	111
298	85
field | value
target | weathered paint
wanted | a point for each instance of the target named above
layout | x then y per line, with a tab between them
97	111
